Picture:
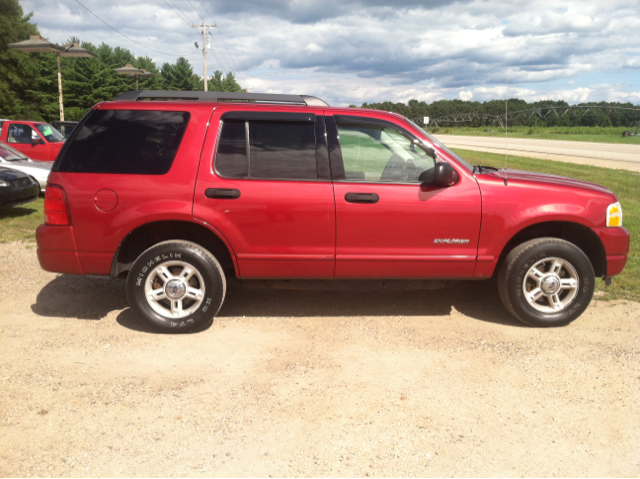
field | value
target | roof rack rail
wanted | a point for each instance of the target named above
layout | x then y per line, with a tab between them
137	95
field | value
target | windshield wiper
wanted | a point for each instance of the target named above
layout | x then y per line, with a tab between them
483	169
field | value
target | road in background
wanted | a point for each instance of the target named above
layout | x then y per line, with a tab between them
607	155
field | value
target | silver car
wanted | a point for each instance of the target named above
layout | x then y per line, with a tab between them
38	170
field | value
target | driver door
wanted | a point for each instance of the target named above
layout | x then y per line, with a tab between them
28	141
388	224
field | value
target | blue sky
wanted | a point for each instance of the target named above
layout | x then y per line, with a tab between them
350	52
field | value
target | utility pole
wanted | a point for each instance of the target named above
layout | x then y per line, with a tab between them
204	48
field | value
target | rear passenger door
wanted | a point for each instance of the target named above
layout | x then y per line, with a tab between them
264	183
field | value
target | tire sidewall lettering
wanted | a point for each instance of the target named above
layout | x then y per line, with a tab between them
201	261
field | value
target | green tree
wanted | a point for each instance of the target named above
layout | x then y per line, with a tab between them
179	77
18	71
220	82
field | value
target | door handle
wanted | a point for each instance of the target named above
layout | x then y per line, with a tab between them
222	193
361	198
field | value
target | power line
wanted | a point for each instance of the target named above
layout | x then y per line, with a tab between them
182	11
225	68
204	49
203	37
129	38
197	12
181	17
225	46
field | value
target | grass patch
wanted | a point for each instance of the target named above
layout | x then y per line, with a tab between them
595	134
626	186
20	222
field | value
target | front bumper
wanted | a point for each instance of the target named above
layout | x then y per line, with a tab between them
616	243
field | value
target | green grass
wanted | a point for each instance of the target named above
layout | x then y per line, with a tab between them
20	222
573	133
625	184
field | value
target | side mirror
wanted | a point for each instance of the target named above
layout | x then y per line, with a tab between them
37	141
442	175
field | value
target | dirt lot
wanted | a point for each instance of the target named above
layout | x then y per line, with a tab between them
311	383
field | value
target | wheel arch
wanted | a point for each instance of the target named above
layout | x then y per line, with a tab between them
581	236
145	236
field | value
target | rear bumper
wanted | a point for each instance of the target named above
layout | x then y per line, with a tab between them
57	251
616	243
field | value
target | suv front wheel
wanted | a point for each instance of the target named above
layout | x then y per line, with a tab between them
176	286
546	282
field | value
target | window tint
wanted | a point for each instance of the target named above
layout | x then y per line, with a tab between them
22	134
277	150
126	142
231	159
282	150
374	153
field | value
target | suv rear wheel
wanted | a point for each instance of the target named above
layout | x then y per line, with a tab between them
176	286
546	282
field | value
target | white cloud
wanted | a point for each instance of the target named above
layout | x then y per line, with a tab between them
465	95
314	48
368	51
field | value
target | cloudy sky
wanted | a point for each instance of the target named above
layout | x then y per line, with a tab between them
355	51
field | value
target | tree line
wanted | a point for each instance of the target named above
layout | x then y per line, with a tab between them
29	81
607	116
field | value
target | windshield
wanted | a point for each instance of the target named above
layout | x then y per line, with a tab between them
9	154
50	133
440	145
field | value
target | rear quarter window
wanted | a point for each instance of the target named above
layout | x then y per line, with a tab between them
135	142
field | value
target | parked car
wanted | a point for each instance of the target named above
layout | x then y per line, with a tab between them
177	195
65	127
2	120
35	139
38	170
16	188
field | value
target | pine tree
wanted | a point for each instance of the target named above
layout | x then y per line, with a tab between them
19	70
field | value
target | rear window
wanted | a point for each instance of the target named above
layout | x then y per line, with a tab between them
277	150
135	142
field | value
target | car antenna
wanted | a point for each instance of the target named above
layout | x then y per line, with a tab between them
506	125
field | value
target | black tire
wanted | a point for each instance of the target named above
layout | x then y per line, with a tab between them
202	292
520	274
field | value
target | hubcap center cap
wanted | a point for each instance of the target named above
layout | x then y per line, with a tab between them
175	289
550	284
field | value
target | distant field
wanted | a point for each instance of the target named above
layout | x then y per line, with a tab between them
572	133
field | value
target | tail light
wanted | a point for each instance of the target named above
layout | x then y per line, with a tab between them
55	207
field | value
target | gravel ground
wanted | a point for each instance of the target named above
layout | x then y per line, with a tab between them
294	382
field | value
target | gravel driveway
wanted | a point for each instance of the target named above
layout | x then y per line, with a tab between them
291	382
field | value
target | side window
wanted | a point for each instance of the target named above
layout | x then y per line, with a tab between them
23	134
284	150
135	142
376	153
231	159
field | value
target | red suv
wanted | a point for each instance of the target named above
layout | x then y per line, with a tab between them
176	191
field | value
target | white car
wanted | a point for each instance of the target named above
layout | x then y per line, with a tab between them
38	170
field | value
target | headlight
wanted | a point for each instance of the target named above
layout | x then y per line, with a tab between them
614	215
4	183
